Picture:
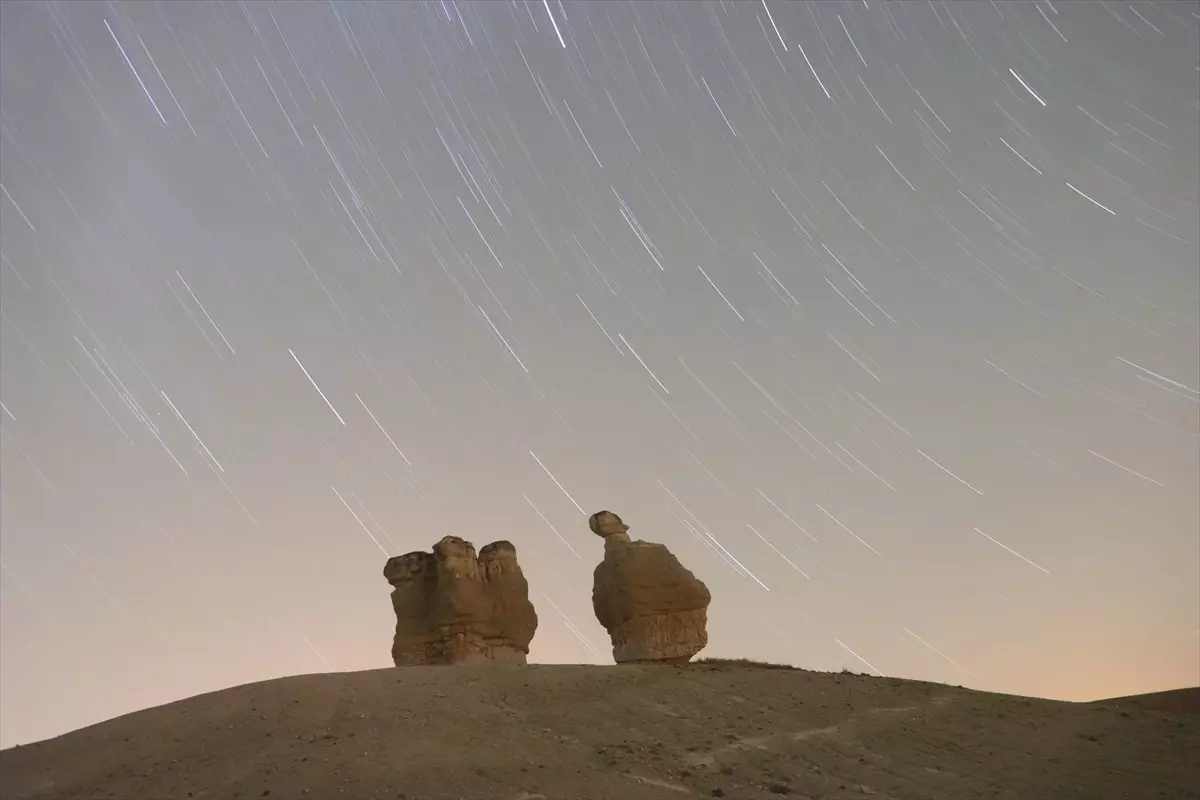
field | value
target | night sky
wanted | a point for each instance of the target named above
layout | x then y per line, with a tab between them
882	316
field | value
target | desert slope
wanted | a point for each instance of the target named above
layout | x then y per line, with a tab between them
1176	701
621	733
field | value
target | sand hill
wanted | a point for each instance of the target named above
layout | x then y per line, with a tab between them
619	733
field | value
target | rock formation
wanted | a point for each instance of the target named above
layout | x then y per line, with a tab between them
453	607
654	609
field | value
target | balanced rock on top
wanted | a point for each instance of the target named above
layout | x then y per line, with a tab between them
454	607
655	610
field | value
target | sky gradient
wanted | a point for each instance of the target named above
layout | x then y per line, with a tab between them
882	316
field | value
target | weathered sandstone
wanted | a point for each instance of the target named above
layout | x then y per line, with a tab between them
654	609
454	607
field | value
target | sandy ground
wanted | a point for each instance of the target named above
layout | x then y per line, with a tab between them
619	733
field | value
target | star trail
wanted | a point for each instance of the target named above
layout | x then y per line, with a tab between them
883	316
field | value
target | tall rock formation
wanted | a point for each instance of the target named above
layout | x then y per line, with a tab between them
453	607
654	609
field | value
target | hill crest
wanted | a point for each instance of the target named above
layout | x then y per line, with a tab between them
542	732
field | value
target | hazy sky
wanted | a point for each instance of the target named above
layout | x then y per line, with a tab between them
882	316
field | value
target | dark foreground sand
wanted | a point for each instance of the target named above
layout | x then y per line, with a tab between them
619	733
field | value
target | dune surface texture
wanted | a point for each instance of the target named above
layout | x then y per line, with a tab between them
562	732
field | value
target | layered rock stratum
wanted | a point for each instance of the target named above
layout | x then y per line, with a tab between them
654	609
455	607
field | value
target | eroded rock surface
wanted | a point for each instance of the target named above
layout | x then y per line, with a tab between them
654	609
455	607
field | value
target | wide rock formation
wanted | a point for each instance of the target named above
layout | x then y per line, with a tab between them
654	609
453	607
